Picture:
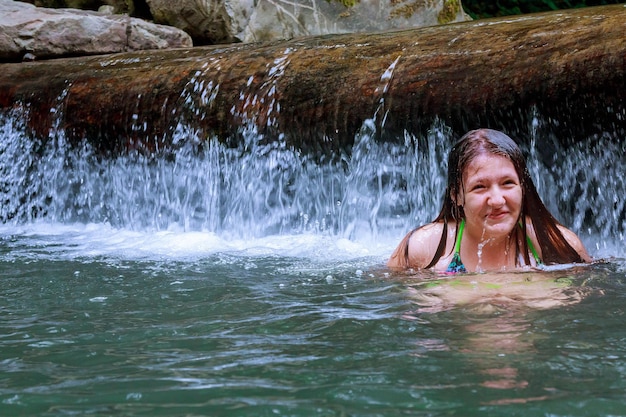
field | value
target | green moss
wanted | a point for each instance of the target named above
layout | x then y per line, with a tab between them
406	10
478	9
346	3
449	12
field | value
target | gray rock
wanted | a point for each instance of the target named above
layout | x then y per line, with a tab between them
33	32
223	21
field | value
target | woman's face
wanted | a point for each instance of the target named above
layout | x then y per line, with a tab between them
491	196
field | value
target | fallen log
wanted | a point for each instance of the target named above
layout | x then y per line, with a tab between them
317	92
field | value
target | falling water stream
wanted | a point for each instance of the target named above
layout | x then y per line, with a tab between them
250	280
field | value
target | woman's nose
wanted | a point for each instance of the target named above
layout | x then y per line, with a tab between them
496	197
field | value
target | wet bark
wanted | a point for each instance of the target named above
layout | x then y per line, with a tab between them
568	66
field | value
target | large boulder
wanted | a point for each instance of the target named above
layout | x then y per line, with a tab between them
224	21
211	22
33	32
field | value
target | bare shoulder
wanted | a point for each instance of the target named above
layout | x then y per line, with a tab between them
575	242
417	248
429	231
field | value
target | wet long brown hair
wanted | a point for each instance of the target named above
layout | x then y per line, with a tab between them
554	247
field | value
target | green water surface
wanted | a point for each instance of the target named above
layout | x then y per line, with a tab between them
273	336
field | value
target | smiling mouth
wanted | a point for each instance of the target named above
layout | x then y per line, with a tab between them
497	215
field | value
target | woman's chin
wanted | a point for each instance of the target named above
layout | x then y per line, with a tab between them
497	231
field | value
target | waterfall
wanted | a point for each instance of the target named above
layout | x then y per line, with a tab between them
259	188
252	190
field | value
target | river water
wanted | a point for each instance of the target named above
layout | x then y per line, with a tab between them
250	281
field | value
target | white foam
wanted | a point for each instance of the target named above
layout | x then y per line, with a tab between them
103	241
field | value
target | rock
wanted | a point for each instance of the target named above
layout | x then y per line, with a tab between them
106	10
26	30
224	21
211	22
207	22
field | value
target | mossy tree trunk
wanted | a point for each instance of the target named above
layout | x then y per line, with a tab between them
317	92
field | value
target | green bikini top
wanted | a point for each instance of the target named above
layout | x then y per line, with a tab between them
456	265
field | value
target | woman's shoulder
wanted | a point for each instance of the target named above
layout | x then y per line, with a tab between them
419	246
575	242
424	242
428	231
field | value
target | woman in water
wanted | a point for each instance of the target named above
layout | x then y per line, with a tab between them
492	217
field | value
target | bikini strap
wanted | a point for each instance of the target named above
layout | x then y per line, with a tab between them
533	250
459	236
457	245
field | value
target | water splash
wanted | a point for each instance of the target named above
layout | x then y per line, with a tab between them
260	188
259	102
255	189
582	183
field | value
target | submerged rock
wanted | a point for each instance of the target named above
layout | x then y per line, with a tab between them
29	32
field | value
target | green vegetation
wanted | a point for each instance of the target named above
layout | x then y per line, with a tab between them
489	8
347	3
450	11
